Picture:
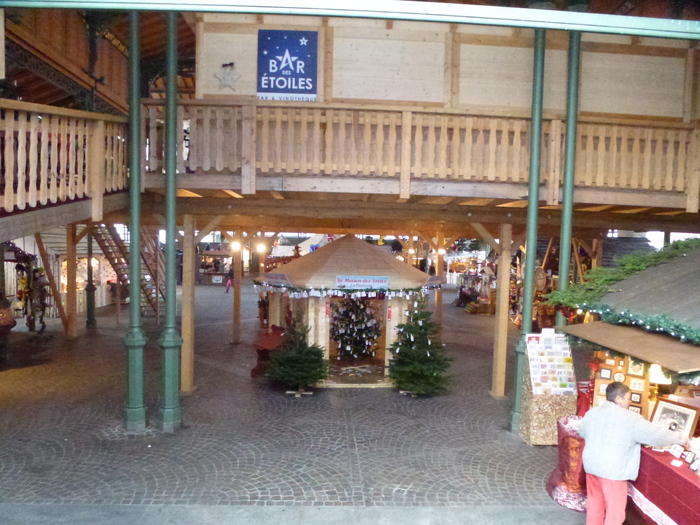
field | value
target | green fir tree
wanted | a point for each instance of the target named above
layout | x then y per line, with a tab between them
296	364
419	365
355	328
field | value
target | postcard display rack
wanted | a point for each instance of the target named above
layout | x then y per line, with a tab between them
549	387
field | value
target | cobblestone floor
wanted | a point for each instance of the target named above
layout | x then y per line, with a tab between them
244	443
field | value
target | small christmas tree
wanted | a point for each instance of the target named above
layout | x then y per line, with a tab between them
355	328
419	365
296	364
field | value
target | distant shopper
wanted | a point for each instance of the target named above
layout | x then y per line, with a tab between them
613	435
229	280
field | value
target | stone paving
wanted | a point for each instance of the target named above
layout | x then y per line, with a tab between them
244	443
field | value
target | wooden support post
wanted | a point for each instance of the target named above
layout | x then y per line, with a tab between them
577	260
237	265
405	180
693	175
500	345
52	281
276	309
597	255
188	274
237	262
550	245
439	272
96	168
71	292
248	157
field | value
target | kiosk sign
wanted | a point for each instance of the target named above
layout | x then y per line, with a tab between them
287	65
361	282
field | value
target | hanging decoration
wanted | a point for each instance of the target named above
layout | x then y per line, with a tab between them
354	328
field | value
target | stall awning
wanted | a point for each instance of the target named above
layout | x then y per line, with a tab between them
665	350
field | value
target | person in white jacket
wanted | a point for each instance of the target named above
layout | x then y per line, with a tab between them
611	454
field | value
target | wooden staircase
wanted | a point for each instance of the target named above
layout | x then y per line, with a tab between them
152	265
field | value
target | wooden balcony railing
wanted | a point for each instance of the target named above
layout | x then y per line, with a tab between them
52	155
254	140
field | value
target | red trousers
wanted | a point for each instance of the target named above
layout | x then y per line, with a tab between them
607	500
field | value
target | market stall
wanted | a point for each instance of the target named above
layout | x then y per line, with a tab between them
214	266
648	337
351	295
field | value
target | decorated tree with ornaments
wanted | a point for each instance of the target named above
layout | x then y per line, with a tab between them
355	328
419	365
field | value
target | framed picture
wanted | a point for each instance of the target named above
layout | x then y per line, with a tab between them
621	363
636	409
619	377
635	368
610	362
605	373
636	397
675	416
637	384
602	387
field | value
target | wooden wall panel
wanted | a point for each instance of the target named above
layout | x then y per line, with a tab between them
499	79
478	69
222	48
388	69
632	84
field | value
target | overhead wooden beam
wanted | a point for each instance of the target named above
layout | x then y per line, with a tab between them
486	235
28	223
87	229
208	228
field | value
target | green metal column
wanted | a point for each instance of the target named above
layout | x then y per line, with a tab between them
532	219
171	342
91	321
135	417
569	164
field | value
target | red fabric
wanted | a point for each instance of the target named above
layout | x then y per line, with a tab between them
607	500
585	396
674	490
566	485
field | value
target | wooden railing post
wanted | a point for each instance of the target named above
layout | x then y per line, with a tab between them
553	173
249	147
693	174
9	128
96	168
405	181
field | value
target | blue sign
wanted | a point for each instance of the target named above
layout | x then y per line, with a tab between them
287	65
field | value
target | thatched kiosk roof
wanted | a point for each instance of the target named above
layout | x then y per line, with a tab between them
347	266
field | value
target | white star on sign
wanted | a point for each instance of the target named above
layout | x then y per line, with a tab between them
287	60
303	41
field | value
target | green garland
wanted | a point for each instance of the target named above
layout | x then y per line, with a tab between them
599	281
587	295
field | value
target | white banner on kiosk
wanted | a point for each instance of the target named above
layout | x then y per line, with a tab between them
361	282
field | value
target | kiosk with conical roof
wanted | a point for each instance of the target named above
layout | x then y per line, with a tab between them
314	285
